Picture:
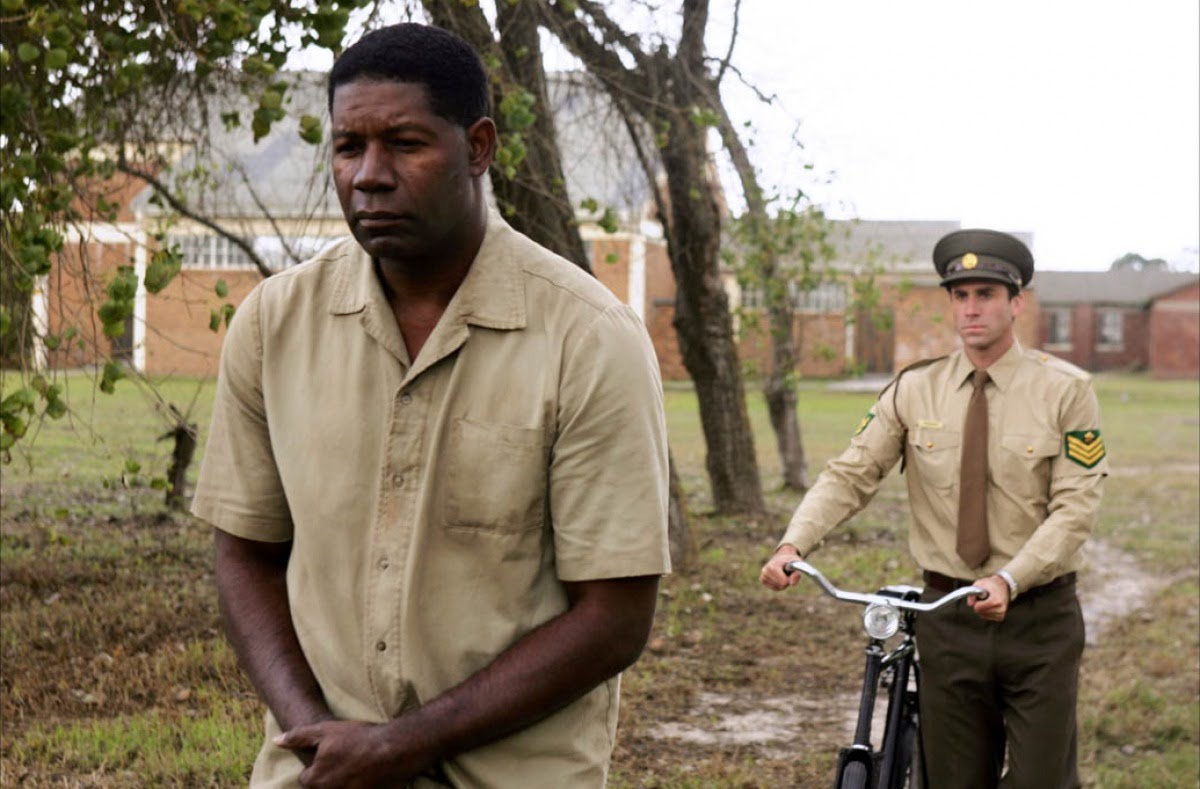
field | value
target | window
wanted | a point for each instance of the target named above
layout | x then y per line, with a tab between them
825	297
218	252
1058	328
1110	333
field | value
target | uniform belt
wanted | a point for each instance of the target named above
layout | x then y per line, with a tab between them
946	584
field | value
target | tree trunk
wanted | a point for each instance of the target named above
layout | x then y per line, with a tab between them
183	436
665	91
778	389
540	205
705	330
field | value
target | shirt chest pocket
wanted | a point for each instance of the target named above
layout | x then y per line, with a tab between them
495	477
1023	464
934	453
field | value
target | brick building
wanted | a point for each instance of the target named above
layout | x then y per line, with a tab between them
1122	320
276	197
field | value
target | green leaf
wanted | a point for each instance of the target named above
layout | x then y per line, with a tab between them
132	466
28	52
611	257
158	483
52	342
162	269
227	311
222	289
113	372
12	6
56	59
271	100
310	129
214	321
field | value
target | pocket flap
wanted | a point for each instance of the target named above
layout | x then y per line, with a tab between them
1032	446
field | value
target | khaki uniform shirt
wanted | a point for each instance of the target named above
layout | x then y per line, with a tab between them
436	506
1045	473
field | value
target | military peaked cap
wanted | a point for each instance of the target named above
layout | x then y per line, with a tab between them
983	254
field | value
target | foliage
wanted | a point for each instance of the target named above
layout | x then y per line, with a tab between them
93	89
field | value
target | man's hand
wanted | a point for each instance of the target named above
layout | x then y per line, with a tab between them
772	575
996	605
357	755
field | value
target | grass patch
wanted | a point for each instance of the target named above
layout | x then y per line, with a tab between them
113	671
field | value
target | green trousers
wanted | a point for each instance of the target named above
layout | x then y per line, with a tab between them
986	686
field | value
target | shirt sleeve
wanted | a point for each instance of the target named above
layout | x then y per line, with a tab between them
852	479
608	464
1076	488
239	489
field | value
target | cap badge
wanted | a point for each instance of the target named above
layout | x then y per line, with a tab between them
970	261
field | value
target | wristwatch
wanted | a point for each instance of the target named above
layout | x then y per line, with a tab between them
1012	583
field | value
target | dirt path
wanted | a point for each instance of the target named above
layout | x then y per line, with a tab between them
1113	586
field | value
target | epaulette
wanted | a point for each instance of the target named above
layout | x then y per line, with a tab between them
894	385
1055	363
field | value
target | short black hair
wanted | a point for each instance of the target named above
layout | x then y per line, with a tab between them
444	63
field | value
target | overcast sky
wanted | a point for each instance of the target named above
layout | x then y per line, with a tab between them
1076	121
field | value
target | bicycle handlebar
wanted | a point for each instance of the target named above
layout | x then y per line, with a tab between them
867	599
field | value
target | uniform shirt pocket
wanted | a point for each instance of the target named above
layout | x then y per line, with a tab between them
496	477
1023	465
934	453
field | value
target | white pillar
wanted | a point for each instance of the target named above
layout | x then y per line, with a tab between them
40	316
139	300
637	275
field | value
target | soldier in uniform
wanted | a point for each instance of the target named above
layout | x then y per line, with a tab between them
1005	467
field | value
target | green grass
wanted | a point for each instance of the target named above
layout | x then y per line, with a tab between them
114	672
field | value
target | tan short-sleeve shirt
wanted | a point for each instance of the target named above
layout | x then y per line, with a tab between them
1043	495
436	505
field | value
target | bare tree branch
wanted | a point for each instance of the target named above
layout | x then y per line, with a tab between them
161	190
737	9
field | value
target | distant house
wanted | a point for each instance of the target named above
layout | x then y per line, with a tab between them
1122	320
276	197
835	335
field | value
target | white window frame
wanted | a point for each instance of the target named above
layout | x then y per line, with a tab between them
1106	318
1058	318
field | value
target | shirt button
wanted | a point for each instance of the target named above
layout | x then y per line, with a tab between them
383	564
1029	450
406	398
380	646
397	479
929	445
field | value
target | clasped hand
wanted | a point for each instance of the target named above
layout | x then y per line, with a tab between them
355	754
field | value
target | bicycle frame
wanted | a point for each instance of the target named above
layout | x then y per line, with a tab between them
859	765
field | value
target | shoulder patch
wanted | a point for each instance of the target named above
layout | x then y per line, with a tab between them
1085	447
866	420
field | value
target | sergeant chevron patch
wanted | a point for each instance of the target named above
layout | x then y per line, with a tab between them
1085	447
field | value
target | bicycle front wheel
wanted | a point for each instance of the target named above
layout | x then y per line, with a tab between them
909	755
854	776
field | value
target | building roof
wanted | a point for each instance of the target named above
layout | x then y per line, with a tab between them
1132	288
286	177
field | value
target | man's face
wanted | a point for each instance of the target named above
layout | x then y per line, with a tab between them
403	174
984	313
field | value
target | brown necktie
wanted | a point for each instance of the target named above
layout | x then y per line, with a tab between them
972	496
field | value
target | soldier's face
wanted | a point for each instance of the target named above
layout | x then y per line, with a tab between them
983	313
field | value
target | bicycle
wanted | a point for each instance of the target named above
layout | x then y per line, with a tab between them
897	764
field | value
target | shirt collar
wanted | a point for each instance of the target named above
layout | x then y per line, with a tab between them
1000	372
492	294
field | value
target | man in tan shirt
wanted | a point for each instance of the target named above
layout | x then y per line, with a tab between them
437	467
1002	498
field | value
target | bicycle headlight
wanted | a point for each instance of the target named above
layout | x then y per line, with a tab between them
881	620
